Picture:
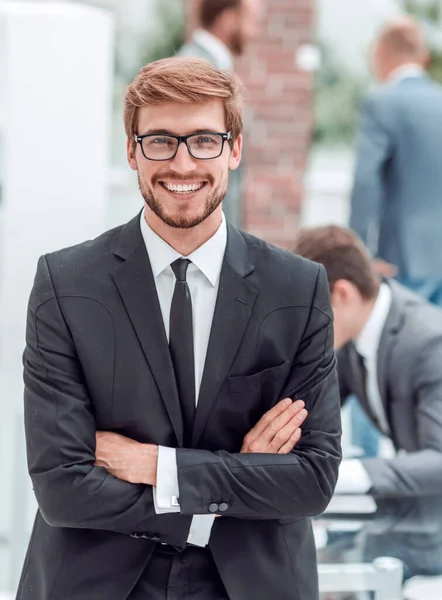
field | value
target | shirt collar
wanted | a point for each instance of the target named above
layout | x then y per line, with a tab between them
215	47
368	341
405	71
208	258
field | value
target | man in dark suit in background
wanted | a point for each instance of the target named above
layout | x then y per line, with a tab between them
226	27
396	206
161	365
390	356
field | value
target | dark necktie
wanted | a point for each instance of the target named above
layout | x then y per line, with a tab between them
181	345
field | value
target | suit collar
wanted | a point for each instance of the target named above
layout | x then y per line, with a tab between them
134	280
400	296
135	283
208	258
234	307
215	48
236	253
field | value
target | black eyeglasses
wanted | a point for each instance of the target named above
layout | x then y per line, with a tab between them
205	145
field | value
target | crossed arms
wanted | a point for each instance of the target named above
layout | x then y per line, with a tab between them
72	491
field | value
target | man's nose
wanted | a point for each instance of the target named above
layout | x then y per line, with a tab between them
182	161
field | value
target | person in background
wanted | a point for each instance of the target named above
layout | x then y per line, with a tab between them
396	202
389	343
226	27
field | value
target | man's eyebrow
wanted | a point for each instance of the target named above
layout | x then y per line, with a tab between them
168	132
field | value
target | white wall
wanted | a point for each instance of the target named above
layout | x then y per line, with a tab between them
56	66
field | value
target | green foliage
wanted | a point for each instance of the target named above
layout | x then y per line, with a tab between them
168	36
337	99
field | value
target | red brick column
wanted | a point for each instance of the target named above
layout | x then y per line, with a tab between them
279	119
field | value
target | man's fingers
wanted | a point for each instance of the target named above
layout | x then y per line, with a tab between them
285	433
291	443
295	410
268	417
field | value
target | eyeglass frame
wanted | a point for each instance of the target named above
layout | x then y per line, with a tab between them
226	137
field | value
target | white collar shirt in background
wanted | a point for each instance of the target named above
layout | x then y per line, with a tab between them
406	71
367	346
215	47
203	275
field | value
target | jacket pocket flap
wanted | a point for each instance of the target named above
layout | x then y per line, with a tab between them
243	383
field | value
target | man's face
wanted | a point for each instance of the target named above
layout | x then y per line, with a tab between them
208	178
247	25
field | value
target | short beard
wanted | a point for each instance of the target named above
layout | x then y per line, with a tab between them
182	222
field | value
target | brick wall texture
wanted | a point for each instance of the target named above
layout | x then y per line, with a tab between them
279	119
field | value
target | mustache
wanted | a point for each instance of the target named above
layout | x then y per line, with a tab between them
174	176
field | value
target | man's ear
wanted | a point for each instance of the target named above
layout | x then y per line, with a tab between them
341	292
236	153
131	148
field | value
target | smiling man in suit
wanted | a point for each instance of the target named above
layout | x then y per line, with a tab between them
161	365
390	351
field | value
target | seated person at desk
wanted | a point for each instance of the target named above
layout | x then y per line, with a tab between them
389	344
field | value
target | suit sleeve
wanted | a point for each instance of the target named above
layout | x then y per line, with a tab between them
373	152
60	436
272	486
417	473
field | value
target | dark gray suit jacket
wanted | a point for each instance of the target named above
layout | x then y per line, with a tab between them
396	204
97	358
410	384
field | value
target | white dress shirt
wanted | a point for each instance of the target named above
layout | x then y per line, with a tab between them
203	276
353	478
406	71
215	47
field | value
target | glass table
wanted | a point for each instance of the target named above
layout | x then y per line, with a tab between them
382	549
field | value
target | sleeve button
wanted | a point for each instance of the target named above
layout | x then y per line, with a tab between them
213	508
223	507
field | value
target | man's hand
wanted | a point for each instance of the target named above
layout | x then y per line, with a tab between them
278	431
126	459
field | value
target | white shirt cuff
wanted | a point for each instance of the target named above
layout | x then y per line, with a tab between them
166	497
166	492
200	530
353	478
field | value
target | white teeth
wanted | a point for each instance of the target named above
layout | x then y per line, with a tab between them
183	188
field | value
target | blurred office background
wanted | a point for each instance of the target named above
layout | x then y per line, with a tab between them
305	78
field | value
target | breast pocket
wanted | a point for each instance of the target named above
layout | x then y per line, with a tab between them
266	385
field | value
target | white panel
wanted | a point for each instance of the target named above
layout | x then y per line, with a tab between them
56	66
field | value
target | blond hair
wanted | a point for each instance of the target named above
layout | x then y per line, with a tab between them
186	80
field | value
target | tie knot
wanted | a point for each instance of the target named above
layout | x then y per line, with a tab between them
179	267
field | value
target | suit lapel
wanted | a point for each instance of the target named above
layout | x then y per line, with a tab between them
136	285
234	305
387	342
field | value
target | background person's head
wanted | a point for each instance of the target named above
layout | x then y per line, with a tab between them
181	97
234	22
399	43
354	286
